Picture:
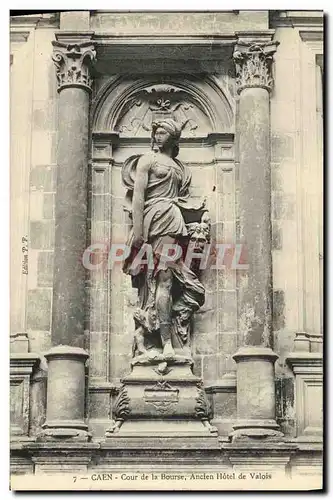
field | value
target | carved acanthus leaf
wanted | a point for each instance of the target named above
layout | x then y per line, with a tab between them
122	406
202	407
73	63
253	63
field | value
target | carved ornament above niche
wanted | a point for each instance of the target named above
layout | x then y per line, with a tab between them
157	102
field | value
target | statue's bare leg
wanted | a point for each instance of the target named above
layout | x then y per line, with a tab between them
164	308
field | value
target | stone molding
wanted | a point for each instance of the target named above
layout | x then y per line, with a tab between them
117	454
228	383
251	353
66	352
19	342
303	362
36	21
297	18
308	370
73	63
307	342
19	35
314	40
21	369
253	61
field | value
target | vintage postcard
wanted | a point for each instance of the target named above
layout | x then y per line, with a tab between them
166	215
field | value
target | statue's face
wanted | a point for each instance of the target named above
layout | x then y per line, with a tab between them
199	235
162	137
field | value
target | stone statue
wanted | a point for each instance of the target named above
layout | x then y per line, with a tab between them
162	214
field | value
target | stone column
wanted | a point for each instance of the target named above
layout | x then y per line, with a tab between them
255	358
65	403
74	85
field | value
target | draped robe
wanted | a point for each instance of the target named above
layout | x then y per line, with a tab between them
167	209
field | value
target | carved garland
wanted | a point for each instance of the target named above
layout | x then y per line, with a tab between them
253	63
73	64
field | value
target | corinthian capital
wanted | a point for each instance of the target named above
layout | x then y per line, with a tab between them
254	64
73	63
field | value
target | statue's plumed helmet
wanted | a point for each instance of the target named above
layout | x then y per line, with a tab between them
169	125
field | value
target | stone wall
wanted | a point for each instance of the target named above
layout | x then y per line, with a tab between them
296	221
34	131
295	187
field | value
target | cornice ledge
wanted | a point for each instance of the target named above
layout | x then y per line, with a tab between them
227	383
104	135
73	36
312	35
294	18
104	387
310	444
277	450
25	360
303	359
55	447
19	34
226	39
36	20
250	37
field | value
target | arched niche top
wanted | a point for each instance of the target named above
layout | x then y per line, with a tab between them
129	105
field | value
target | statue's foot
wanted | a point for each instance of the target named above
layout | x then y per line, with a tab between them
141	351
168	351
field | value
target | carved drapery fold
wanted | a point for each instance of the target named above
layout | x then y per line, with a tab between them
253	63
73	63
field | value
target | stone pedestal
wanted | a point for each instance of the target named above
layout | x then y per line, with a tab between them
65	394
255	394
162	400
308	370
22	366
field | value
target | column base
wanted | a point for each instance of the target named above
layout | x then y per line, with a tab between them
64	430
65	395
256	429
255	395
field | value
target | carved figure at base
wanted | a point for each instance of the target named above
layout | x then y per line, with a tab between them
163	218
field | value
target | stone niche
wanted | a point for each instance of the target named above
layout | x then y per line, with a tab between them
122	112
